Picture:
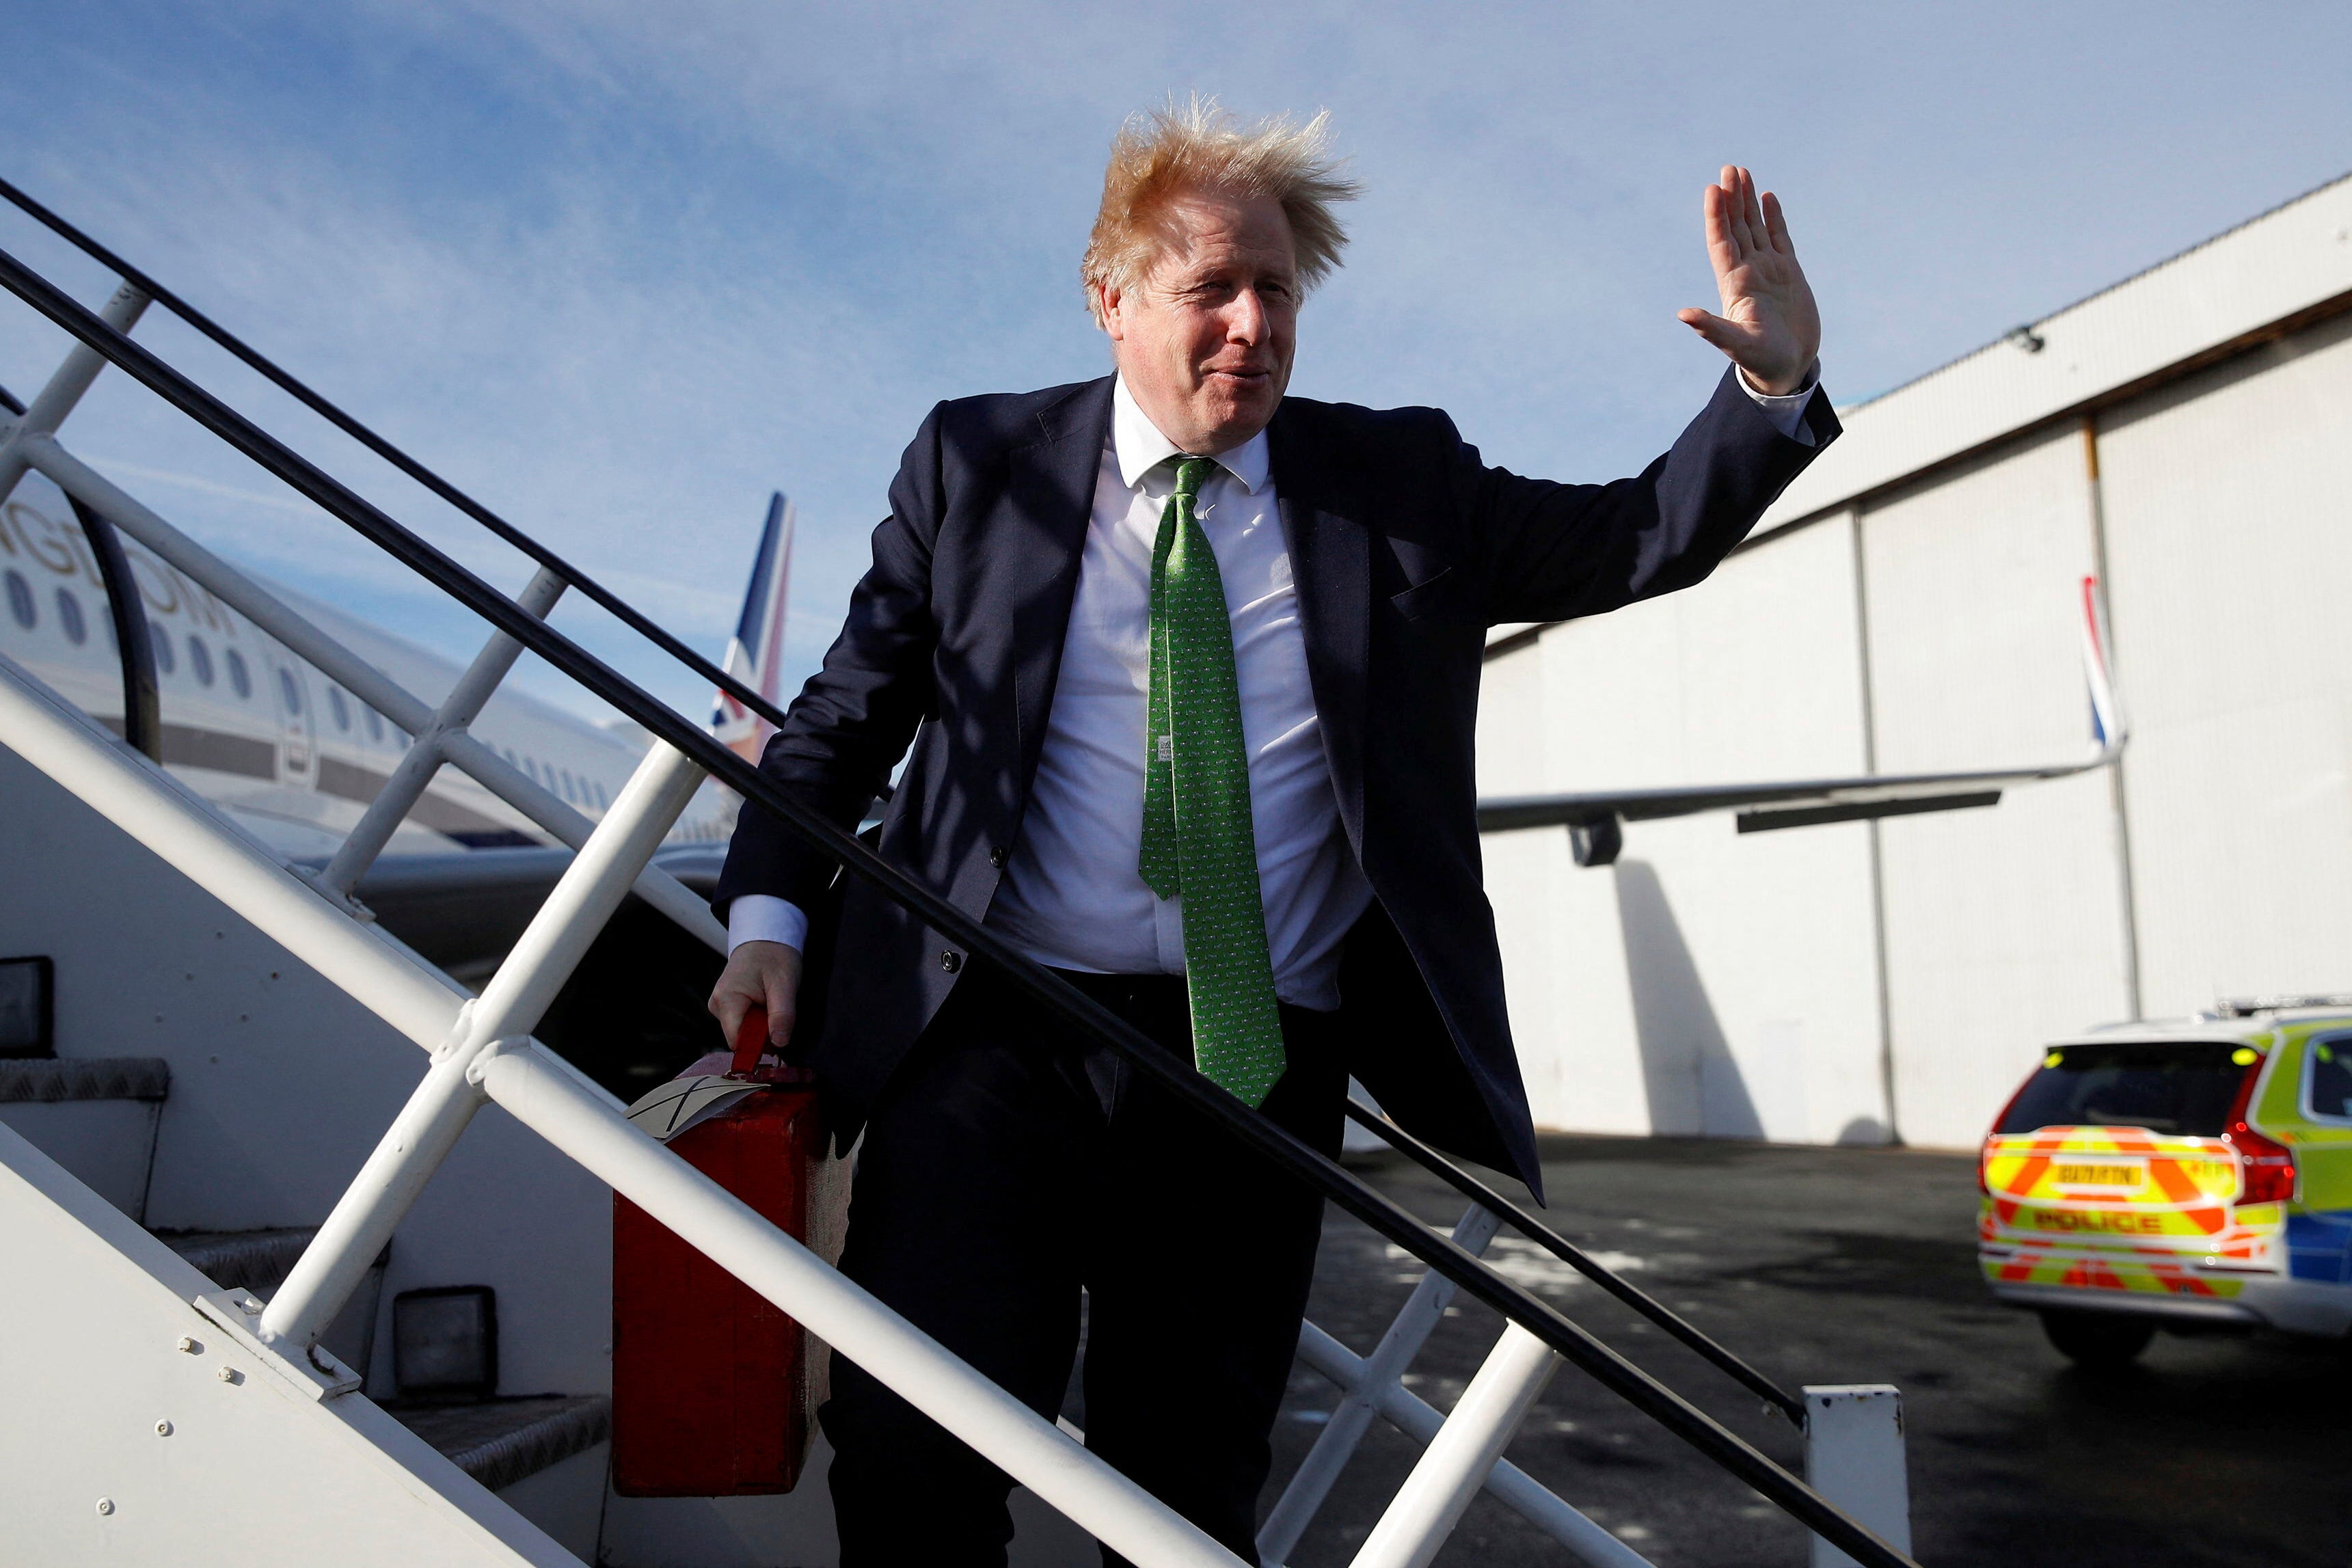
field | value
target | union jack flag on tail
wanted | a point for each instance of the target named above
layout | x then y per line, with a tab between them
755	656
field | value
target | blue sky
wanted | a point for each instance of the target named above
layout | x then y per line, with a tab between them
621	269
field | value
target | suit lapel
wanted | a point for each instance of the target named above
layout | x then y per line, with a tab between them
1051	493
1330	562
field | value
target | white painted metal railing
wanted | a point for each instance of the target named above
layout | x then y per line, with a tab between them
474	1061
440	736
482	1050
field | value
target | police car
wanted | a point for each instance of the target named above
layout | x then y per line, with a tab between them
2179	1175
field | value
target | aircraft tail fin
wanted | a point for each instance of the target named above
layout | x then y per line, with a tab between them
2108	726
755	655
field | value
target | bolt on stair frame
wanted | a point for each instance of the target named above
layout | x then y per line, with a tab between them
1521	1308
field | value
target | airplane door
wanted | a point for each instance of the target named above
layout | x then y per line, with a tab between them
294	720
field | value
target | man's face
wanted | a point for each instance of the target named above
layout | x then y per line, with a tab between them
1205	341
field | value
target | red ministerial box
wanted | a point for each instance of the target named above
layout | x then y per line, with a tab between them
714	1389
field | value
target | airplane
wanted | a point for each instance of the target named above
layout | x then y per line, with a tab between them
1595	819
286	753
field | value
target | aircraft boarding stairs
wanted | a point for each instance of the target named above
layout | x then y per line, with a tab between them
196	1393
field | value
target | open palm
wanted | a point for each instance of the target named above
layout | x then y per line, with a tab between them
1770	326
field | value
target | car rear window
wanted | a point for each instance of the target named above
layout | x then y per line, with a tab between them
2331	1079
2184	1089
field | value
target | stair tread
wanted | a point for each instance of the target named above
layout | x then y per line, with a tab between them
501	1441
25	1080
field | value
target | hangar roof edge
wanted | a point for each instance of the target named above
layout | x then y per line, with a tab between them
2287	261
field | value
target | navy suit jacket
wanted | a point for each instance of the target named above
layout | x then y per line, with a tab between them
1405	547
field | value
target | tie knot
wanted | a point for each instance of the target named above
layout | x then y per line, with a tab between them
1191	473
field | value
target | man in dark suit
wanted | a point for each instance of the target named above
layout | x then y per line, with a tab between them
1190	674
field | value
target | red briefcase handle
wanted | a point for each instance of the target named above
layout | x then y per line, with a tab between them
750	1041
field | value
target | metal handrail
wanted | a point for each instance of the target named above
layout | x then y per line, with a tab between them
1518	1305
1576	1258
318	403
472	1063
409	712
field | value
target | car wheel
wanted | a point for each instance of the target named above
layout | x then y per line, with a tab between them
2097	1339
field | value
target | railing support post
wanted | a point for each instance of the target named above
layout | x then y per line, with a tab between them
1854	1457
1429	1504
549	1096
1513	1486
1360	1397
356	1232
426	753
65	386
371	685
542	959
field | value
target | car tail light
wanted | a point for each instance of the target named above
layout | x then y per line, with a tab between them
2265	1168
1984	1150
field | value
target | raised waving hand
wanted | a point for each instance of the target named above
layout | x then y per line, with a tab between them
1769	327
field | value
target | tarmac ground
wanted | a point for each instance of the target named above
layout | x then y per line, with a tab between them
1831	1265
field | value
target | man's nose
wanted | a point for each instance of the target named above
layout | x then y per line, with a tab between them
1246	319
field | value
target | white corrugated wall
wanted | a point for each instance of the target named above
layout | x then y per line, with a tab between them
2229	501
1709	982
2004	924
1729	984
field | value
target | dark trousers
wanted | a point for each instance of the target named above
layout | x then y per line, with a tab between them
1006	1168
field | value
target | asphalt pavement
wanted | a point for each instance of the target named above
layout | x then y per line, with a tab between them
1828	1266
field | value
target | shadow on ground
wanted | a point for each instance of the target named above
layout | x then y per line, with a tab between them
1845	1266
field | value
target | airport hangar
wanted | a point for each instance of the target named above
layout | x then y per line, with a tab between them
1912	605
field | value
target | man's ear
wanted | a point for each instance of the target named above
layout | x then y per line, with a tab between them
1107	300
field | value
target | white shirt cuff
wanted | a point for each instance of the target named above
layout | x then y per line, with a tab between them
762	917
1786	411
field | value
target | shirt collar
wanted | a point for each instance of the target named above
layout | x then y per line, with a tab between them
1140	448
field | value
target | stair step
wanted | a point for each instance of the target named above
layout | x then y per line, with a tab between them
48	1080
501	1441
255	1260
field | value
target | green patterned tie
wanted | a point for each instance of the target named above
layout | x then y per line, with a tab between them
1196	805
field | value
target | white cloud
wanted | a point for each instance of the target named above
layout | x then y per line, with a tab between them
621	270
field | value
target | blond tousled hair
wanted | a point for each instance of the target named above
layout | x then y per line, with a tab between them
1200	147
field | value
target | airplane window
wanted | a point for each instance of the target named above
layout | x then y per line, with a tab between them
200	660
602	804
291	693
69	616
161	640
20	600
374	724
511	758
566	775
530	768
341	709
239	678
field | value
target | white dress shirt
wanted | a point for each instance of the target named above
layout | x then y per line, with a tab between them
1071	896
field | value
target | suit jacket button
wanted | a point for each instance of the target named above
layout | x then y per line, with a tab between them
950	961
998	857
